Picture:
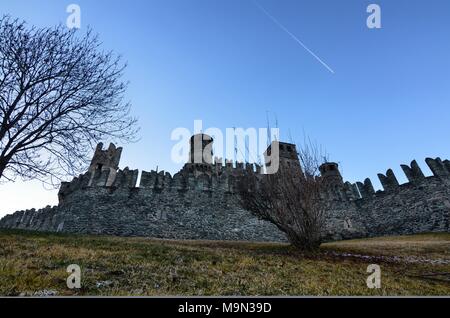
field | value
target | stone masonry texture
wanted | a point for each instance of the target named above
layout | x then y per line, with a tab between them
200	202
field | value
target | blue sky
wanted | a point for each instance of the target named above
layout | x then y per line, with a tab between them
228	64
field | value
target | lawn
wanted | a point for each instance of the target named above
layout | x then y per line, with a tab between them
35	264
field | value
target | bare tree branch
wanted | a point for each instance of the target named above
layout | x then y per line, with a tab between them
60	94
290	198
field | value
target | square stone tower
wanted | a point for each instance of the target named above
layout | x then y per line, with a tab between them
108	159
285	154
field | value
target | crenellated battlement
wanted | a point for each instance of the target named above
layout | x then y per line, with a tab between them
201	201
390	183
222	178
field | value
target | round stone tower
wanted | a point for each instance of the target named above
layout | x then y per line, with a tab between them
330	173
201	149
200	155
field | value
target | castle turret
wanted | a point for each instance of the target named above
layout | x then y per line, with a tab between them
109	158
330	173
285	154
201	149
104	160
200	156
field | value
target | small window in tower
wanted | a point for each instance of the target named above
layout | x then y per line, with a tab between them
289	148
281	147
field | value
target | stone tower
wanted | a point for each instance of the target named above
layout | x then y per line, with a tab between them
200	155
201	149
108	159
331	174
287	157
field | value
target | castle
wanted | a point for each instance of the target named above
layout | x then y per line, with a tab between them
201	201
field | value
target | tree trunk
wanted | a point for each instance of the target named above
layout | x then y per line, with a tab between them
303	243
2	167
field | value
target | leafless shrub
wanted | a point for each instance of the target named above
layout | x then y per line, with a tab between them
290	198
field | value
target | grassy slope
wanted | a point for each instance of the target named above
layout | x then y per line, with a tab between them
31	262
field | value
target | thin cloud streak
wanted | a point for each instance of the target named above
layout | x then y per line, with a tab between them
281	26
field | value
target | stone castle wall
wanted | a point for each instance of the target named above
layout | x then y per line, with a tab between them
422	205
200	202
184	206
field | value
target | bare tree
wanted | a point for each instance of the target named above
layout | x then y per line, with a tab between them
60	94
290	198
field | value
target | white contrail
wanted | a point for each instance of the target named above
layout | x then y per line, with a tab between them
292	36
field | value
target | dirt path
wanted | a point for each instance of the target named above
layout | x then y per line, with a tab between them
391	259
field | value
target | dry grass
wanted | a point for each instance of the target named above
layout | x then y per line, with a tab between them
32	262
